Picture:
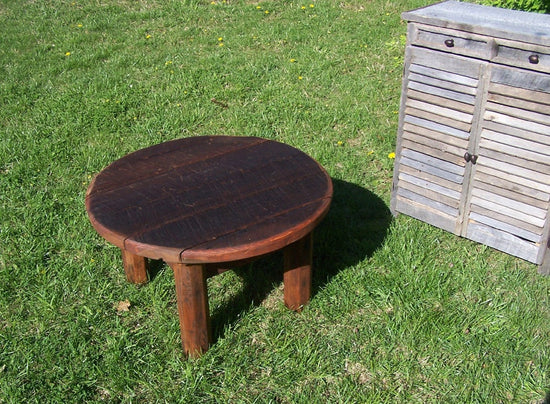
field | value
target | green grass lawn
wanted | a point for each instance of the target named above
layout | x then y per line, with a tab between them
401	311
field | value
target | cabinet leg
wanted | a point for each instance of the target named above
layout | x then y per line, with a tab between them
192	297
544	267
297	273
135	267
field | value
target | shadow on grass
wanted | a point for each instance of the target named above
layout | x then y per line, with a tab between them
355	226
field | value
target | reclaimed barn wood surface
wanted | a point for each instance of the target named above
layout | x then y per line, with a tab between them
208	204
493	22
211	199
510	195
473	147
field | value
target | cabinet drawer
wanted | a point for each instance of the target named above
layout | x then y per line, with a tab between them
528	57
452	41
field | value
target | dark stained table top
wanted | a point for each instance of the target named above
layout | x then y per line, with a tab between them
209	199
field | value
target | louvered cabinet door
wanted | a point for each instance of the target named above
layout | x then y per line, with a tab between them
510	190
438	107
473	144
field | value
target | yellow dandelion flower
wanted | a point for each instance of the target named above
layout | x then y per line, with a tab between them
267	12
259	7
340	143
303	7
312	5
147	36
391	155
300	77
67	53
220	44
292	60
79	25
220	39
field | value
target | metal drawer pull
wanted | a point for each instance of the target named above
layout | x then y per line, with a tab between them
449	43
470	157
534	59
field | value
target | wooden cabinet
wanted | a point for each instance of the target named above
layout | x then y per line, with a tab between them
473	147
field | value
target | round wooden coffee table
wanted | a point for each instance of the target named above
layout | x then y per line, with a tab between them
204	204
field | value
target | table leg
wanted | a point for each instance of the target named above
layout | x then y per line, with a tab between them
297	273
192	296
135	267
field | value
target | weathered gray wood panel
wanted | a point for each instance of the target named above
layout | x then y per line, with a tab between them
459	142
520	57
463	43
515	174
507	227
439	83
433	152
497	142
496	151
423	175
432	186
445	75
442	165
499	173
485	176
473	150
492	21
427	201
504	219
435	171
425	214
436	145
430	114
434	99
438	127
521	192
429	193
445	112
520	103
514	208
442	92
503	241
453	65
519	123
537	138
520	113
521	93
522	79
